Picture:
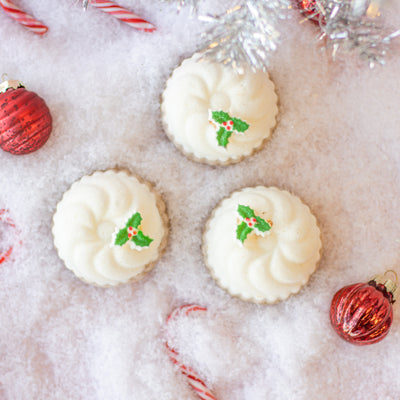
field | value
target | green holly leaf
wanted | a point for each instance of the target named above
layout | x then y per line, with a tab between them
245	212
134	221
239	125
220	116
121	238
242	231
223	137
141	240
262	225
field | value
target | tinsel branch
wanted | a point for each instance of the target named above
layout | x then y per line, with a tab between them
245	34
348	25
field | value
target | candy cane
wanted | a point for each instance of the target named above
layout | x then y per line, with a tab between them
24	19
193	379
4	255
123	14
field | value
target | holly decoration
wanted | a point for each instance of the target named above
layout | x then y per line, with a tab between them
132	232
250	223
25	120
226	125
362	313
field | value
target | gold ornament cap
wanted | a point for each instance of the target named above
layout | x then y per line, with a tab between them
390	286
10	84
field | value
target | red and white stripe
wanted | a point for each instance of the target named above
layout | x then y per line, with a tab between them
4	255
124	15
23	18
202	391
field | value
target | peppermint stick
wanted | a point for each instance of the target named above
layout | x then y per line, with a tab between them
24	19
123	14
202	391
5	255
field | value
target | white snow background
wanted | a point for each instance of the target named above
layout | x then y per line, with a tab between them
336	146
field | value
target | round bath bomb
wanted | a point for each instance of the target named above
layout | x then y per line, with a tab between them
215	115
110	228
261	244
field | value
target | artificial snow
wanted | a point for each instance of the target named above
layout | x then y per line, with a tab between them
336	146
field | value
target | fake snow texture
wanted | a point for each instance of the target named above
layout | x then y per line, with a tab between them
336	146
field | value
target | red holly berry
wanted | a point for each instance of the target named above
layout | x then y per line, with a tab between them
253	220
130	229
228	128
230	123
135	232
224	123
248	221
129	235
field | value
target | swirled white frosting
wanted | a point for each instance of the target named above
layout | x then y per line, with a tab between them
198	87
264	268
85	221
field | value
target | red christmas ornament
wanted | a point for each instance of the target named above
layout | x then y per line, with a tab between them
309	8
362	313
25	120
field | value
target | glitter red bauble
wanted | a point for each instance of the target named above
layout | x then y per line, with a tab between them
25	121
362	313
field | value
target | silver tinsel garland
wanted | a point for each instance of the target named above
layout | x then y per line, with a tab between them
249	32
353	25
246	34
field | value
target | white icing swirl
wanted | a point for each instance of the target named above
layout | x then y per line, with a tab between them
86	218
196	87
263	269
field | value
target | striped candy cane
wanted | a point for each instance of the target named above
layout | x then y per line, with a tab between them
4	255
24	19
194	381
122	14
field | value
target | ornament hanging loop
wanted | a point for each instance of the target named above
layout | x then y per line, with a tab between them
394	273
